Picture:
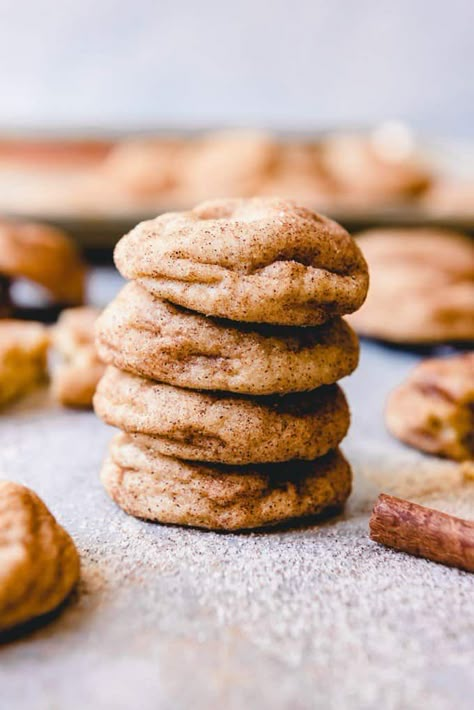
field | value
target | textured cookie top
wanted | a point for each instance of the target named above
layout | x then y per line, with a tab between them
259	260
39	563
156	339
211	426
42	254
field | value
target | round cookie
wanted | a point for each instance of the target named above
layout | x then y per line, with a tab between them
217	497
421	286
297	175
262	260
433	410
231	429
45	255
39	563
23	357
450	198
74	379
74	382
75	330
155	339
145	167
228	163
373	170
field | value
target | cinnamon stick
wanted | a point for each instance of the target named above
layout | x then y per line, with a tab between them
423	532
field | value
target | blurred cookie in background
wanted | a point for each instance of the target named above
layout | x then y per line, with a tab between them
45	256
450	198
421	286
138	176
52	153
23	358
433	410
231	163
297	175
44	177
147	167
357	175
376	168
75	378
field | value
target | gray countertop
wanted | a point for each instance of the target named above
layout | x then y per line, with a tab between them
316	617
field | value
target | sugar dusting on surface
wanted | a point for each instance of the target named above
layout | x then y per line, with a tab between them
304	618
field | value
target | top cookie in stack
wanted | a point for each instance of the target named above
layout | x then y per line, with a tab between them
257	261
209	363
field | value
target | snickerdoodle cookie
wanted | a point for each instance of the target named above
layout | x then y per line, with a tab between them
450	198
371	170
297	175
218	497
23	351
145	167
39	563
421	286
228	163
75	379
153	338
262	260
44	255
232	429
433	410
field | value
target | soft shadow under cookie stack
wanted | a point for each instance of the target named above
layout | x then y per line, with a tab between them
223	355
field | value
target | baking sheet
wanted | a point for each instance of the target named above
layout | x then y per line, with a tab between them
101	229
170	618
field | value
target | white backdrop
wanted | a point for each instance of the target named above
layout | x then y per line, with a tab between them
305	63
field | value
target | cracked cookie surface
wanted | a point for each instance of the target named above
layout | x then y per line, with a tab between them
222	427
155	339
261	260
217	497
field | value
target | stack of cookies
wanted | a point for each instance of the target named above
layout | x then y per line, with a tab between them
223	355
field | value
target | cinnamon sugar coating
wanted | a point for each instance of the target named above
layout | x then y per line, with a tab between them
153	338
221	427
262	260
218	497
